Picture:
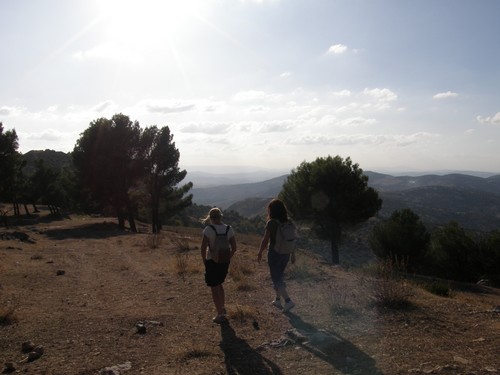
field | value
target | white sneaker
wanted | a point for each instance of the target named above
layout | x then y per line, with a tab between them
277	303
288	306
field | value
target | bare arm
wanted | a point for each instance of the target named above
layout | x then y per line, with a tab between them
203	247
232	242
263	244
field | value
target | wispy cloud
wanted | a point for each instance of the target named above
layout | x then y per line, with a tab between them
206	128
170	107
491	120
445	95
337	49
382	97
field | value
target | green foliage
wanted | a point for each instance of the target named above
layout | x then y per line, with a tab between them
438	287
403	237
190	216
11	178
330	194
490	257
161	162
124	167
454	254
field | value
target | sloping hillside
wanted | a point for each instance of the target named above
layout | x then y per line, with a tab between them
95	300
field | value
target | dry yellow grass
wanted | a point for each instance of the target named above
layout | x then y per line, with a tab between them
87	317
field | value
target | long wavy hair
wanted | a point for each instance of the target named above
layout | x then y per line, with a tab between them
276	210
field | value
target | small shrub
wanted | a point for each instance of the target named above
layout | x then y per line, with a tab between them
181	244
36	257
392	294
341	300
181	264
439	288
390	290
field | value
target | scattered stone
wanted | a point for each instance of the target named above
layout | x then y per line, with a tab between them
496	309
33	356
27	346
8	368
116	370
461	360
60	272
141	328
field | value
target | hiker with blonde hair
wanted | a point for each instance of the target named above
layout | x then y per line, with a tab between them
217	248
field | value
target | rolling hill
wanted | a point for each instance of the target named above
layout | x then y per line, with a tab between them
474	202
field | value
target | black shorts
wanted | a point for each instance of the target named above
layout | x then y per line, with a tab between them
215	273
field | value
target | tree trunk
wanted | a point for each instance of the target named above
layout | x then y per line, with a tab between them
15	206
26	209
121	221
131	221
335	252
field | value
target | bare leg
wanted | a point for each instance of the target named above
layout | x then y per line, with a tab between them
218	298
281	291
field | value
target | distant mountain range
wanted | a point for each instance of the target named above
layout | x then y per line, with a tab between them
474	202
472	199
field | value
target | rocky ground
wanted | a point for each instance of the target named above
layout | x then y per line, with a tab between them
78	296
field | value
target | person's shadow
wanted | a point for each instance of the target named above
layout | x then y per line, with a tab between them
332	348
240	358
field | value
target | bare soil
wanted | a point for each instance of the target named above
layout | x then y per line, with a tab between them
104	301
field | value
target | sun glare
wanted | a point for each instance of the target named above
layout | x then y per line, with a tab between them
143	22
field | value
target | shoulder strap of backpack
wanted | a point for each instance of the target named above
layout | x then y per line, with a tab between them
211	226
227	228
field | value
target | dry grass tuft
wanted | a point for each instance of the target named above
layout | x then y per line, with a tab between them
390	289
155	240
342	300
181	244
240	270
243	313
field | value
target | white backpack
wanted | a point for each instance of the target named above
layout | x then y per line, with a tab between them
221	251
286	236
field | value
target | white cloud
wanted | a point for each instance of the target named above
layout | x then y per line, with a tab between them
364	139
382	98
11	111
206	128
254	96
101	107
285	74
170	107
491	120
337	49
341	94
445	95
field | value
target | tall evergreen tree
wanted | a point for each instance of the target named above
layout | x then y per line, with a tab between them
330	194
161	161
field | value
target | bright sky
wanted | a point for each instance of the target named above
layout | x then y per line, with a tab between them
394	84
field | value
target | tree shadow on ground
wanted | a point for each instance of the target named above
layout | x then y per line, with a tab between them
94	230
331	348
241	359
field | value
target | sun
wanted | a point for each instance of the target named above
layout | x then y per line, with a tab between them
139	23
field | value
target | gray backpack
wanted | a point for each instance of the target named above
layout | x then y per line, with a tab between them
286	236
221	251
